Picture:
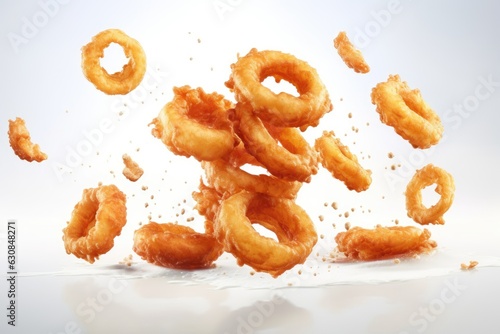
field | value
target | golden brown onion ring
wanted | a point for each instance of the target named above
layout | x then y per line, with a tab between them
406	111
195	124
96	220
293	160
176	246
291	224
351	56
339	161
228	179
121	82
359	243
281	109
20	141
445	186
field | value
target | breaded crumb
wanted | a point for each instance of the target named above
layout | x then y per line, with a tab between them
471	265
335	205
397	261
347	225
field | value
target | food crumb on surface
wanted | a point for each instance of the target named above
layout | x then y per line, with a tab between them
472	264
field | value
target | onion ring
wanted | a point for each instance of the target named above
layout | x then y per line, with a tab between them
228	179
445	186
339	161
291	224
351	56
281	109
383	242
195	124
293	160
176	246
20	141
117	83
96	220
406	111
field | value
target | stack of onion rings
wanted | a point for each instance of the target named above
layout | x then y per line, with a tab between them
96	220
445	186
117	83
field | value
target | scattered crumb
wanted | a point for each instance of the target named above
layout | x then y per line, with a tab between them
321	218
127	260
396	261
349	115
347	225
252	273
346	214
471	265
390	155
144	187
132	170
396	221
335	205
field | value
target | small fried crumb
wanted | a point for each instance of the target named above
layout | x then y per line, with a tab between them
396	261
347	225
127	260
321	218
390	155
132	170
471	265
335	205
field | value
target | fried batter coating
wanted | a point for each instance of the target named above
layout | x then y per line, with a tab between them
132	170
176	246
351	56
445	186
95	221
339	161
383	242
20	141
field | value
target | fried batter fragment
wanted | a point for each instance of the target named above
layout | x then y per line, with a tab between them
383	242
20	141
349	54
132	170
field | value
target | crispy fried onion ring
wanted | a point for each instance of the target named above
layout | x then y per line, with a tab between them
281	109
406	111
195	124
20	141
445	186
291	224
176	246
96	220
383	242
339	161
294	159
351	56
121	82
228	179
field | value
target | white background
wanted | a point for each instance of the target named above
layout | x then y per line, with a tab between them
447	49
